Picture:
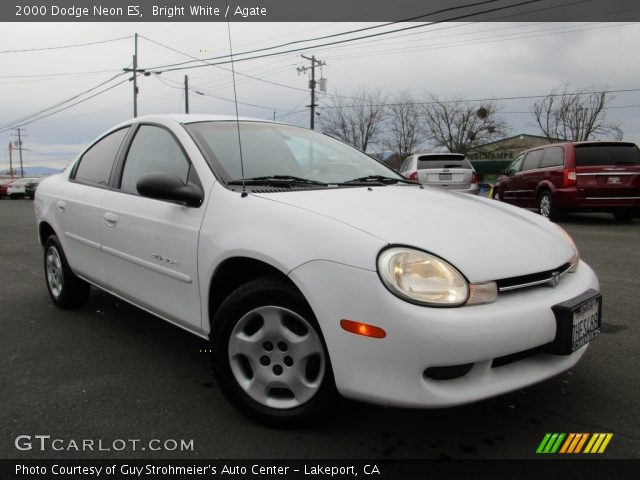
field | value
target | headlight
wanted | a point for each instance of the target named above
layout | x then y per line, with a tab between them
422	278
575	258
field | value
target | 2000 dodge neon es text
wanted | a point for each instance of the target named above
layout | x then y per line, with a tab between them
314	270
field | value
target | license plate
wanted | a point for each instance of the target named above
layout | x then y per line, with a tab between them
578	321
614	180
445	176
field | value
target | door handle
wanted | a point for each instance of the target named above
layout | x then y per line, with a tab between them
110	219
60	205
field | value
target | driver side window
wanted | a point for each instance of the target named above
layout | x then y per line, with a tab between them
153	150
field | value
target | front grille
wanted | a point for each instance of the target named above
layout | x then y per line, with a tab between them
533	279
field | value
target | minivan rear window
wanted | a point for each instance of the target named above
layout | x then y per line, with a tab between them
607	154
443	161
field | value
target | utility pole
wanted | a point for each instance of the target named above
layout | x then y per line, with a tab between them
19	130
135	71
11	160
186	94
312	84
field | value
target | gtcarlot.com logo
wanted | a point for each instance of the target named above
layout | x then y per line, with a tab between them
574	443
48	443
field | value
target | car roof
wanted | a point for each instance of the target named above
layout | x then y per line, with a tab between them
183	118
579	144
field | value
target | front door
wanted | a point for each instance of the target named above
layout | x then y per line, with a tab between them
150	246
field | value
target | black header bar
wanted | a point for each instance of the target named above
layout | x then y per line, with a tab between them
317	10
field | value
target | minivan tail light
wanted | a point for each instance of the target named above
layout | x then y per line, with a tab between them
413	176
474	177
568	177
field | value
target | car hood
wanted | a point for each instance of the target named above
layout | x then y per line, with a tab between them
484	239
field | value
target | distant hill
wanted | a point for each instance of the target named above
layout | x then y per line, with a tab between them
33	171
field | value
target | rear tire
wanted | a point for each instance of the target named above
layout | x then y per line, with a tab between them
66	289
546	206
269	357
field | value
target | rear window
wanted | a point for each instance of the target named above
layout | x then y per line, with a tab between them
607	154
443	161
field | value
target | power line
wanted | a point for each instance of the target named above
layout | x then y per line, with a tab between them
65	46
33	120
162	69
70	74
488	99
471	42
333	35
22	119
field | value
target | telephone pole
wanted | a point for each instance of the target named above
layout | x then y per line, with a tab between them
11	159
135	71
312	84
19	130
186	94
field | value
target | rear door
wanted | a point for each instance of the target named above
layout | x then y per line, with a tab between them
450	171
78	207
608	170
151	245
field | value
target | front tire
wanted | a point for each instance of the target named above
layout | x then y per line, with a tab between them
64	286
546	206
269	357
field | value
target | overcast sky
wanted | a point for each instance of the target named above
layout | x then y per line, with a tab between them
475	60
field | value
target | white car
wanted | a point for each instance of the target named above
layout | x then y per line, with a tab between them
451	171
16	188
317	270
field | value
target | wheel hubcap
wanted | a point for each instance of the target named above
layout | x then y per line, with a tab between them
545	205
276	357
55	277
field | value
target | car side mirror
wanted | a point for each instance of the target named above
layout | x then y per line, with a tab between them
164	186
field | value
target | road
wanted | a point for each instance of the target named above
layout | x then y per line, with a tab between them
110	371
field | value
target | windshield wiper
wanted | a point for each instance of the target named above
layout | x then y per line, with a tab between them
379	179
275	180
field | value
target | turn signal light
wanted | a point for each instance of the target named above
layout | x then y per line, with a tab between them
363	329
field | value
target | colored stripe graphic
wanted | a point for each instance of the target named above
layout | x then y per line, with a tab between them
598	442
574	443
550	443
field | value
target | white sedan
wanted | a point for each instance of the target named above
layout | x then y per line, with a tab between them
313	269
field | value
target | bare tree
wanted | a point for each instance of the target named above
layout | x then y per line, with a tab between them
574	115
356	120
405	126
460	125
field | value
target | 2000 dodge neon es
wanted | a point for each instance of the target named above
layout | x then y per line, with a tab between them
314	269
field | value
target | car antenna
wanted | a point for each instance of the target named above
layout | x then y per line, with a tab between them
235	98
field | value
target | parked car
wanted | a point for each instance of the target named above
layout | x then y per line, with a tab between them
3	187
445	170
15	188
313	275
575	177
30	188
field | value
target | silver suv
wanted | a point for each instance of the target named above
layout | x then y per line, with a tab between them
445	170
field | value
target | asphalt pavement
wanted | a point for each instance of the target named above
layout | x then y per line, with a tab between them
110	371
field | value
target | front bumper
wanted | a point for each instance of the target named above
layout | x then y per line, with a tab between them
391	371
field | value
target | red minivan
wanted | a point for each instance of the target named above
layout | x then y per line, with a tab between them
573	177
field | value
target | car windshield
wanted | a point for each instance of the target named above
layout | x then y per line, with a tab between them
282	153
607	154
